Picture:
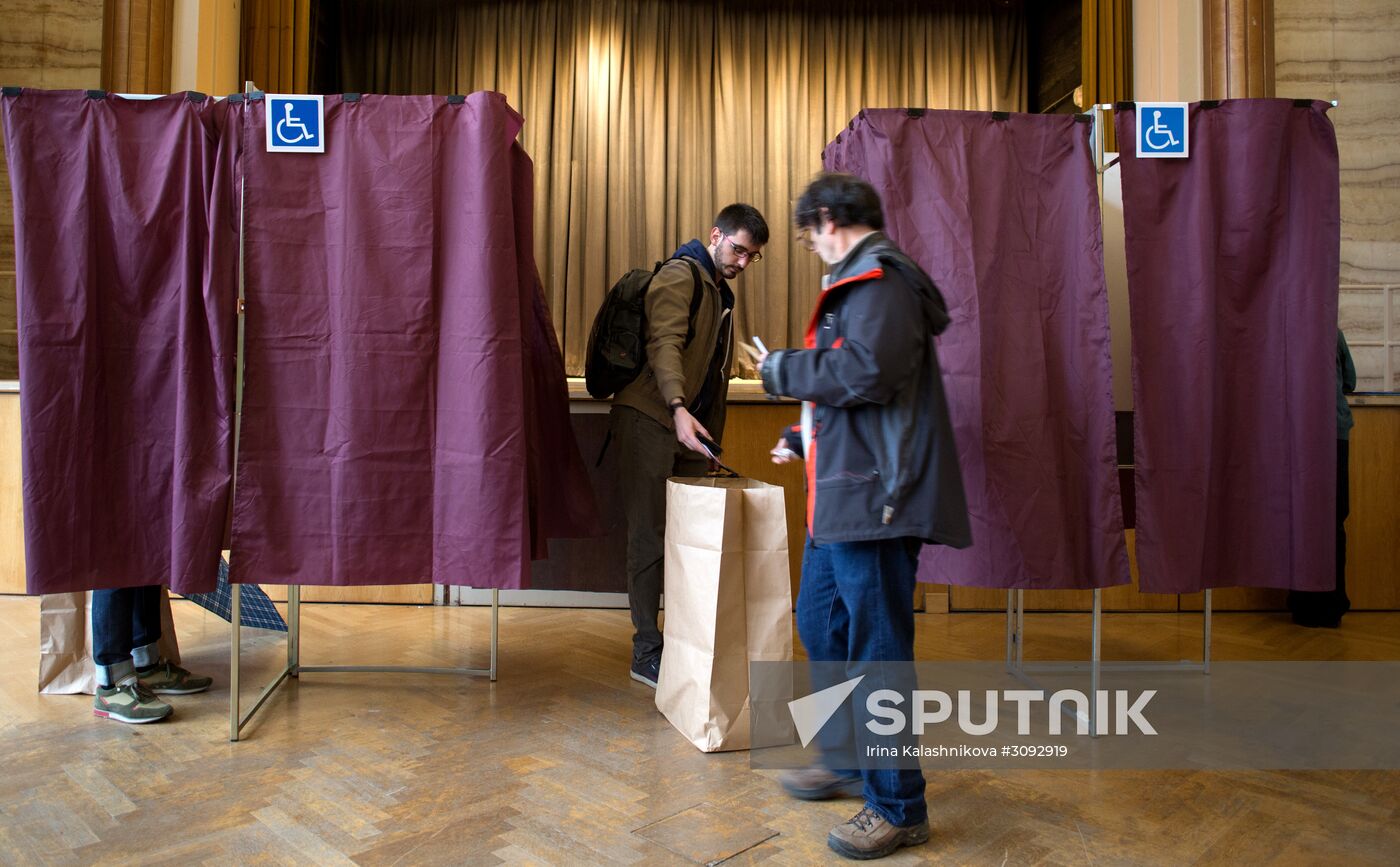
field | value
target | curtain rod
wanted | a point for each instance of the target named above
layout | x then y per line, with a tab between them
1108	106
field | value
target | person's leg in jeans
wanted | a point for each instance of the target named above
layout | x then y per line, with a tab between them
115	618
160	676
112	620
875	582
822	624
145	627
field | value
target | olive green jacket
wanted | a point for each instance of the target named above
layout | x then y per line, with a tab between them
677	367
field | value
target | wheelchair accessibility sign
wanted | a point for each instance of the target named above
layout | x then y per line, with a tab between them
1163	130
295	124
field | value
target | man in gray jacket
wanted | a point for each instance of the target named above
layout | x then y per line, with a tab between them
882	477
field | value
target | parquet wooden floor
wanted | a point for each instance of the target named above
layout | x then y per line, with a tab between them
566	761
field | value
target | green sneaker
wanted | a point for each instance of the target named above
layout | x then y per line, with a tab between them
167	678
129	702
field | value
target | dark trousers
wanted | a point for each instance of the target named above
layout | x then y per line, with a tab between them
125	629
647	455
856	604
1326	607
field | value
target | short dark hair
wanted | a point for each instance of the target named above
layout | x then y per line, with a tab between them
741	216
846	199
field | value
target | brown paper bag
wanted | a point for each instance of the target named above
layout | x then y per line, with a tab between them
65	642
728	602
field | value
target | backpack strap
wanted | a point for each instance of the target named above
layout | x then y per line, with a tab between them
695	296
694	302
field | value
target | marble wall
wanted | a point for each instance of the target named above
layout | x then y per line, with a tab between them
1349	50
49	44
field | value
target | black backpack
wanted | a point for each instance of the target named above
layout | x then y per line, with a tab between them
617	345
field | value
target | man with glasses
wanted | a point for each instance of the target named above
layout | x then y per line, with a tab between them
678	397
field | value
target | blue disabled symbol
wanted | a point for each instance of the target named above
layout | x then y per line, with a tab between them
1158	136
1163	130
290	129
294	124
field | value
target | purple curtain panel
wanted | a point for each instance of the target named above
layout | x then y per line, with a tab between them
1003	213
126	257
561	496
1233	259
395	363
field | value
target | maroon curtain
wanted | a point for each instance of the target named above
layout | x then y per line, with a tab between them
561	493
403	389
1003	212
126	244
1232	277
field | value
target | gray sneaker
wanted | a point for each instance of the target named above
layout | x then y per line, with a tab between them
167	678
129	702
868	835
818	784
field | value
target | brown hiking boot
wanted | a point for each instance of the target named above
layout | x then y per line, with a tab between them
869	835
818	784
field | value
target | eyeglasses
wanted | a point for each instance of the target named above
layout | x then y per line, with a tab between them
744	252
804	238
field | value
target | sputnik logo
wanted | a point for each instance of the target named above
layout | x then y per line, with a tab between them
811	712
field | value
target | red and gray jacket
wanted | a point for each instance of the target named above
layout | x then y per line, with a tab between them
876	435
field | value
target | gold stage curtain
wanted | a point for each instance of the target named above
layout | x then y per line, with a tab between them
645	117
276	48
1106	50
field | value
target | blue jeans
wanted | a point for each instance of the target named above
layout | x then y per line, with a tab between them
856	604
125	629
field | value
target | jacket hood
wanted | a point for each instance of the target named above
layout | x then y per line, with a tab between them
693	249
876	250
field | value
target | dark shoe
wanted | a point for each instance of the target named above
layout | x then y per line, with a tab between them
819	784
1318	621
647	671
869	835
129	702
167	678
